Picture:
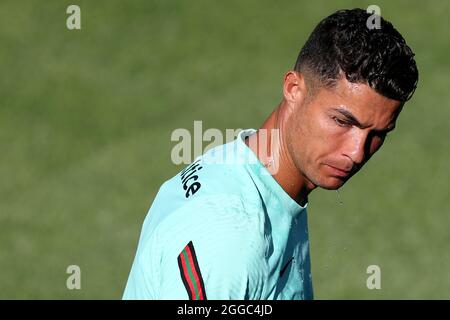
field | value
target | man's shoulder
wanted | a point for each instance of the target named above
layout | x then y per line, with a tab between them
220	187
207	197
221	170
208	176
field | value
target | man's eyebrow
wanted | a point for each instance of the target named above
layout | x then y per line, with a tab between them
352	120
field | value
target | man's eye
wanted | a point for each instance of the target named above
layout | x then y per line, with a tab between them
340	122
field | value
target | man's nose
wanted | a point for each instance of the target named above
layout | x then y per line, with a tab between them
355	147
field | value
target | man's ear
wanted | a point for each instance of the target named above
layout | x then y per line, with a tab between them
294	87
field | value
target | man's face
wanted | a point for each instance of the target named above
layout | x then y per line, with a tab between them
334	134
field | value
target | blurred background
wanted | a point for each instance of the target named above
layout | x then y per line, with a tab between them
86	118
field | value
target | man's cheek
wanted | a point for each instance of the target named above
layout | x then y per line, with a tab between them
324	129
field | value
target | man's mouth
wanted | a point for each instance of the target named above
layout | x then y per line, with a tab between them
338	172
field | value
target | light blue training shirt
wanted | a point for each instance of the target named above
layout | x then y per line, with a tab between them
223	228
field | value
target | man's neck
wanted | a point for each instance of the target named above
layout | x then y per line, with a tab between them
269	145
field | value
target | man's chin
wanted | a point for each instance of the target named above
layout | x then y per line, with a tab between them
332	183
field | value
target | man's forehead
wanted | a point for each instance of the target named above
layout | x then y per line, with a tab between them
355	92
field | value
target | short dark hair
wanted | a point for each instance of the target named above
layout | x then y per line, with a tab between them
343	44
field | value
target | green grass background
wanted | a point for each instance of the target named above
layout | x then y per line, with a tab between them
86	118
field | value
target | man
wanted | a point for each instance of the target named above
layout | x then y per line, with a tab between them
237	229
